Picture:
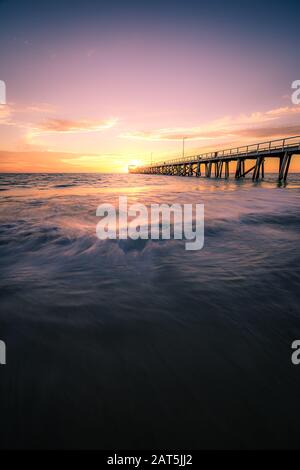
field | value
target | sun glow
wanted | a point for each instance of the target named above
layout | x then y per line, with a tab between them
132	163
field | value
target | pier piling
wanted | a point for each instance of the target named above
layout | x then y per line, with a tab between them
282	149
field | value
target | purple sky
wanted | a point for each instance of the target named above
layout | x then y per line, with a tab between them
92	86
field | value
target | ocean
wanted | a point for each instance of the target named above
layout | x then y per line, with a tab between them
142	344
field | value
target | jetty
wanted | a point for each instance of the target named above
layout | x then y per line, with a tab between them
248	159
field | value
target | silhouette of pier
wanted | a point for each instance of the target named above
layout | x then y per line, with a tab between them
216	164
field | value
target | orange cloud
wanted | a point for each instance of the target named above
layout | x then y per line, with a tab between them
257	124
11	109
5	114
53	126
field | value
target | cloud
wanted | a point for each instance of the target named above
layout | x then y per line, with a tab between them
271	132
28	117
258	124
53	126
5	114
18	116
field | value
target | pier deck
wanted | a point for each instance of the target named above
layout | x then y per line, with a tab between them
217	163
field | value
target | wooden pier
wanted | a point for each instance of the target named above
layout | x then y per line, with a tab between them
216	164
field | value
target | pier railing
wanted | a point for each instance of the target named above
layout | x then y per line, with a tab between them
242	151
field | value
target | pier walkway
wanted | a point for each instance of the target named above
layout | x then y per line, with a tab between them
217	163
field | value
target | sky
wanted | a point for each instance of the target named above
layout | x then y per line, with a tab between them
96	86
